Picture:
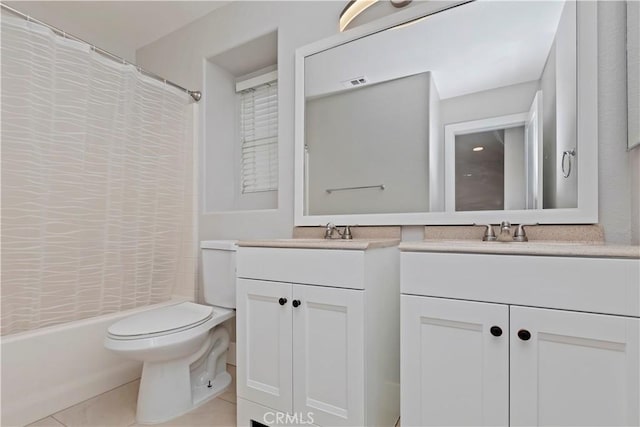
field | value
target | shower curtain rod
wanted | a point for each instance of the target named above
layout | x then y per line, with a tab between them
196	95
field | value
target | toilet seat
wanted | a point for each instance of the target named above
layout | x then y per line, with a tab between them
173	339
161	321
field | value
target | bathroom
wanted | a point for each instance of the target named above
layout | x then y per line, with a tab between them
99	230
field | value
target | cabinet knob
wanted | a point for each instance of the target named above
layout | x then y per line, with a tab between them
496	331
282	301
296	302
524	335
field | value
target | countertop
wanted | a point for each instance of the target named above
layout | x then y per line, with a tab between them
354	244
542	248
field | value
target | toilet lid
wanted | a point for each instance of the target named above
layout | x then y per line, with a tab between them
162	320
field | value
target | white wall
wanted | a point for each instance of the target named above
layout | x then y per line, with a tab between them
558	84
634	165
119	27
219	152
497	102
615	191
179	57
515	180
548	87
436	151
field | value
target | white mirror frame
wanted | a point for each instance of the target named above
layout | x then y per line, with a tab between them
587	133
633	73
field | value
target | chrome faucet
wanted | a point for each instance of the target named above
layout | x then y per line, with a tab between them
330	228
489	234
505	232
520	235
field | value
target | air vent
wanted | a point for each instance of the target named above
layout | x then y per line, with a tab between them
355	82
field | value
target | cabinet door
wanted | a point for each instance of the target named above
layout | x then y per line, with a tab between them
574	368
264	343
328	355
454	371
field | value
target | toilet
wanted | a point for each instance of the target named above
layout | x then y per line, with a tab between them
182	346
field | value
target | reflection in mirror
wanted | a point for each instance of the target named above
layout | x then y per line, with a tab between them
391	119
503	155
480	174
349	145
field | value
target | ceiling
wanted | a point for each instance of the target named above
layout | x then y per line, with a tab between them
120	27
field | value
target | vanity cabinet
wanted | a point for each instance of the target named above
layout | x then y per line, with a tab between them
470	357
454	372
320	348
570	368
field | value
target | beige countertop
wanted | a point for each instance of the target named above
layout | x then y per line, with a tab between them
541	248
355	244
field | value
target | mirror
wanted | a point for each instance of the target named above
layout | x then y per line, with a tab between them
470	110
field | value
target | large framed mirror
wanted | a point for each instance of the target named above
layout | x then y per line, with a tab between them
451	113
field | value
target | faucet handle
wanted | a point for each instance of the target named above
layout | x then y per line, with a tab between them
328	231
520	235
489	234
346	234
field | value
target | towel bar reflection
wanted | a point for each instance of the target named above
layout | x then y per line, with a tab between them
331	190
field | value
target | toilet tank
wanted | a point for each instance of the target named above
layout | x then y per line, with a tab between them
219	272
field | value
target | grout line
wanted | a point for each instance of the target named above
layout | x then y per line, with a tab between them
53	416
226	400
86	400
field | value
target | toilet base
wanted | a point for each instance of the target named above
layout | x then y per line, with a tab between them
203	394
172	388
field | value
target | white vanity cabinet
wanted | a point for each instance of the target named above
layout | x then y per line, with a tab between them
454	372
505	340
317	339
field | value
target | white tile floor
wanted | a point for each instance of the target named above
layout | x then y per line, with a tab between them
117	408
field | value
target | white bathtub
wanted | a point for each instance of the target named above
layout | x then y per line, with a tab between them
50	369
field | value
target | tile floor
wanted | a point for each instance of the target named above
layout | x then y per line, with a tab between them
117	408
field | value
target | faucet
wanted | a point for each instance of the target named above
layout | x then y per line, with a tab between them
330	229
489	234
505	232
520	235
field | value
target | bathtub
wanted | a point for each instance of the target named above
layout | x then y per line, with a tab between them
50	369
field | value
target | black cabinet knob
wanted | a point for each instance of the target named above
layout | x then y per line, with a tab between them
496	331
524	335
282	301
296	302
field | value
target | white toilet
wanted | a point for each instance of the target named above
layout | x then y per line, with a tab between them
183	349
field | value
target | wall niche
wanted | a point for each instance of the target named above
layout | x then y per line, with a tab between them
230	78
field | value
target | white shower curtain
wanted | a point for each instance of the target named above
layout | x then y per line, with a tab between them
97	182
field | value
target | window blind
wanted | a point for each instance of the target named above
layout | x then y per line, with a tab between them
259	138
